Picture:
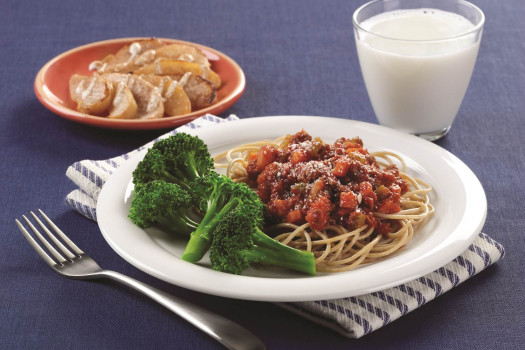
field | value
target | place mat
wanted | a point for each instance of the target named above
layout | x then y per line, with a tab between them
353	317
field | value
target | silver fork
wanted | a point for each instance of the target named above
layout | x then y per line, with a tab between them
78	265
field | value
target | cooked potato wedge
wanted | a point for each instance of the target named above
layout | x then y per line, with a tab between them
176	102
213	77
129	58
92	94
148	98
177	68
181	52
159	81
170	67
147	79
124	105
138	47
200	91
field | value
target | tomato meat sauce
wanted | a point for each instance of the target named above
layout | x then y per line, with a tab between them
307	180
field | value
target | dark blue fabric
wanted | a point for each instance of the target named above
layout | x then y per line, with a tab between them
299	58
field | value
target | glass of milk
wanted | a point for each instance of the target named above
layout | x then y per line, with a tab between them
417	57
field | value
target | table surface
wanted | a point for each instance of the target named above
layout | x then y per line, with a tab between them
299	58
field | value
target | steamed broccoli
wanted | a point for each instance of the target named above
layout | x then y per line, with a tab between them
179	159
216	195
176	177
238	243
163	204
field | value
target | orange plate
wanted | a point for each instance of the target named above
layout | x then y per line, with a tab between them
52	85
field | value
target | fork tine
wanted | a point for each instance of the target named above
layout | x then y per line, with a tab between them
61	234
53	238
49	247
35	245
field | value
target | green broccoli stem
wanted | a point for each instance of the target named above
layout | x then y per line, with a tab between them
200	239
268	251
182	180
178	225
190	171
176	178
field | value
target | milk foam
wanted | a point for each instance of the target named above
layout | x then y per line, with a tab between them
418	24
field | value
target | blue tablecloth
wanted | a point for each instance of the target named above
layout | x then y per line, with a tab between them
299	58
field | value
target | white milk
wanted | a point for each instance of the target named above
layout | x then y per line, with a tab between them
413	85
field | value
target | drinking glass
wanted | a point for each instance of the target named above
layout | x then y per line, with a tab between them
417	57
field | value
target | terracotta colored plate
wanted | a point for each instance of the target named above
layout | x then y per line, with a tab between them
52	85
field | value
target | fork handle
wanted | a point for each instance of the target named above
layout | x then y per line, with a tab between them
225	331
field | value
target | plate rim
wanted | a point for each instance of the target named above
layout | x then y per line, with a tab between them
43	97
448	255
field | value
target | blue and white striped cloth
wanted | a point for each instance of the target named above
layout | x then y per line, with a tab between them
353	317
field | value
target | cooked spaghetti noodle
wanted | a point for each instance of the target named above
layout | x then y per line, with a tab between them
338	244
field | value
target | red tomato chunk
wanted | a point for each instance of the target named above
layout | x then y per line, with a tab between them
306	180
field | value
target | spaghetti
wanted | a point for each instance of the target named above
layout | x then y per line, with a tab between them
346	205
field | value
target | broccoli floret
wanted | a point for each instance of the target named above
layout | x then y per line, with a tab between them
163	204
238	243
179	159
216	195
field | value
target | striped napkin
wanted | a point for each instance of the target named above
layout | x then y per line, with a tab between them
353	317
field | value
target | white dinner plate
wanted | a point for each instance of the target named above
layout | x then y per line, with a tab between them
458	198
